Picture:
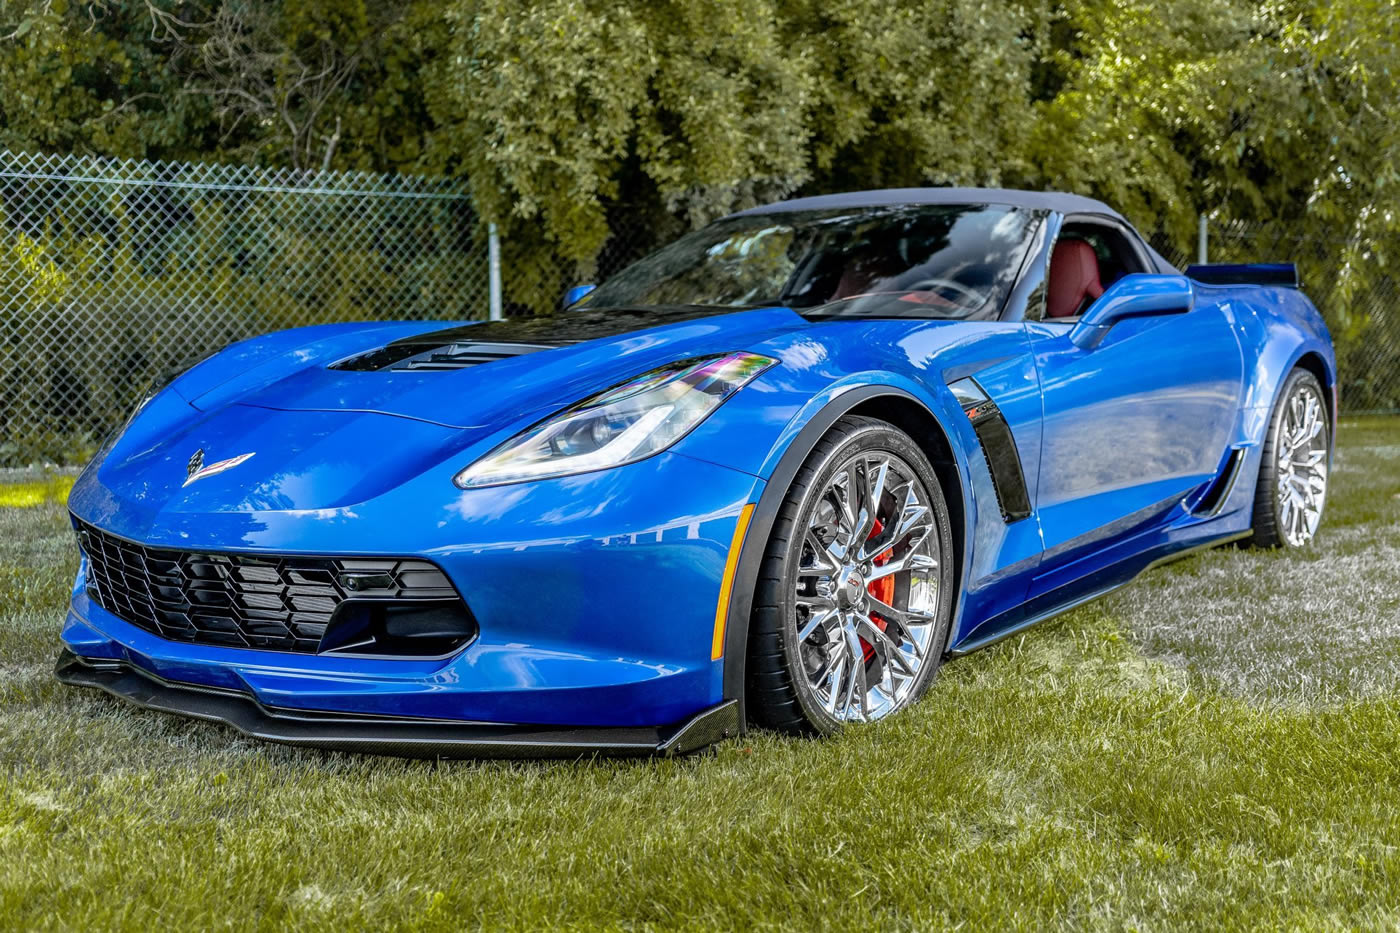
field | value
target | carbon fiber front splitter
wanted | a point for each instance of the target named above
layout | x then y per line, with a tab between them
387	735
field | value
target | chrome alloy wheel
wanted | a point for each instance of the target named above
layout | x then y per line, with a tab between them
867	588
1302	465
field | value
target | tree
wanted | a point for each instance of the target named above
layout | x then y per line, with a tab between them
85	78
1165	107
304	83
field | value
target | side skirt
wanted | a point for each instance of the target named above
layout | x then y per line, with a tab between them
1057	602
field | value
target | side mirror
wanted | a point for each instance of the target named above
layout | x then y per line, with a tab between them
575	294
1136	295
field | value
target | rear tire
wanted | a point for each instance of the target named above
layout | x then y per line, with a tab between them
1293	470
821	648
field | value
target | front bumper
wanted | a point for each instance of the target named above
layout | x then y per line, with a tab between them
595	596
393	735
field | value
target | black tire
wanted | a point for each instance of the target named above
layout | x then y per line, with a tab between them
1274	528
778	693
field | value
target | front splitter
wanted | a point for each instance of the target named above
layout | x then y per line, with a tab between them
389	735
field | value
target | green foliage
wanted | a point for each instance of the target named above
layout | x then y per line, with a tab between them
1280	111
85	77
558	110
570	118
1166	107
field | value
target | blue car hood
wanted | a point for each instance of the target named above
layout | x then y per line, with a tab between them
530	366
311	410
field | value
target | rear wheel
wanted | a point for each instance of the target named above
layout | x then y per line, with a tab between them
855	592
1293	472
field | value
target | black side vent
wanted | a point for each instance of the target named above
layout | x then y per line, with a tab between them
1213	499
411	356
998	447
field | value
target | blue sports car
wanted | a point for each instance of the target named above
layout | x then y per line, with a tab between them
773	474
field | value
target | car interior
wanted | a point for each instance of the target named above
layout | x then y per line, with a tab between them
1087	259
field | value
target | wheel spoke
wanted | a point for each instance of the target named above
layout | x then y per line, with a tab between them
814	623
911	561
817	602
833	683
915	523
848	496
902	616
1311	460
893	652
825	561
874	494
855	689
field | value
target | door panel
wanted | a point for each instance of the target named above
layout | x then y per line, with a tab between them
1132	425
997	355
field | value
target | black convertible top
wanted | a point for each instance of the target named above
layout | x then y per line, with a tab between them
1033	200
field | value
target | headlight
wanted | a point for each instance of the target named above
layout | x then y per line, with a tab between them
624	424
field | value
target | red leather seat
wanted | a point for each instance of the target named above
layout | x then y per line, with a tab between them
1074	279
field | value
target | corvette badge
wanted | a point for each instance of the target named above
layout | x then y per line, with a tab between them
197	470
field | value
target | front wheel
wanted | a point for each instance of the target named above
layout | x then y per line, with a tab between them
1293	471
856	589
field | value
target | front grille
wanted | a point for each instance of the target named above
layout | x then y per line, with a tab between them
240	601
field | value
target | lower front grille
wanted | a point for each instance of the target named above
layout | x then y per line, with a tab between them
299	604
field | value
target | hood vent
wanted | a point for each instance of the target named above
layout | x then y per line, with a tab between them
417	357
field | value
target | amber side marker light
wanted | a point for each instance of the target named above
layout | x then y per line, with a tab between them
726	584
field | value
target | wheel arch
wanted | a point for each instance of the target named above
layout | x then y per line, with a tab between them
1313	362
887	403
1277	365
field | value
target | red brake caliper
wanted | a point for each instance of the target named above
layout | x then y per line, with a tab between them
882	589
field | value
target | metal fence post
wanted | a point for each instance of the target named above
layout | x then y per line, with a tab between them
1202	238
494	249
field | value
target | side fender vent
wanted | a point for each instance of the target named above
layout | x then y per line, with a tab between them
999	448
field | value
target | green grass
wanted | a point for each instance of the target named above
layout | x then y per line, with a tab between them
1215	747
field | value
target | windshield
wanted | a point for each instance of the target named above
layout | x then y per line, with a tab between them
943	261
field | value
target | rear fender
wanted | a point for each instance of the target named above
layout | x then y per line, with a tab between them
1278	328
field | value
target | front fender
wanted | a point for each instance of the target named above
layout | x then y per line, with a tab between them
791	448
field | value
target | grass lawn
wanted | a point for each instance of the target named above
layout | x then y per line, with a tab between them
1217	746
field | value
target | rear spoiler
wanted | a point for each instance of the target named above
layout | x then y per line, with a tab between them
1284	274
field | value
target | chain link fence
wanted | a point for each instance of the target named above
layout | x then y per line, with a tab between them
114	273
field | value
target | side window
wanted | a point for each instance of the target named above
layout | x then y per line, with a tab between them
1087	258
